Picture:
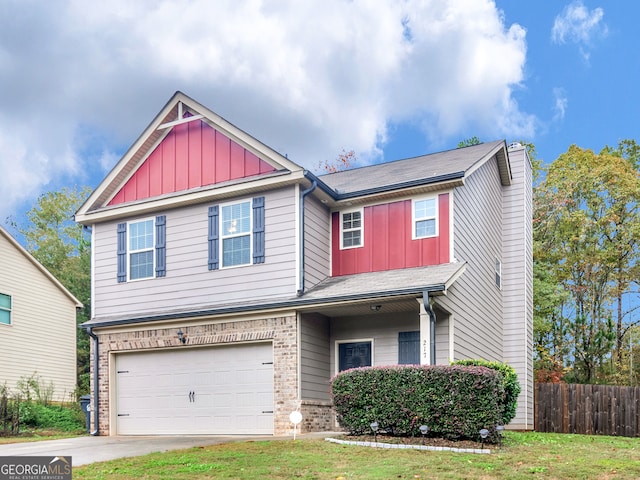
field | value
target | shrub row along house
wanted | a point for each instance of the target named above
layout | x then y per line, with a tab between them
230	284
37	325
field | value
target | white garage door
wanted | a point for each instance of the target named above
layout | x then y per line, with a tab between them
219	390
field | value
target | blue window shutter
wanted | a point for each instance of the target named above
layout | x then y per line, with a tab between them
213	238
258	230
122	252
161	246
409	348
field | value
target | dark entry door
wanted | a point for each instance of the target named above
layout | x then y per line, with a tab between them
354	355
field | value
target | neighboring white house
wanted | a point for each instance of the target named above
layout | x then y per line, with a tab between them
37	323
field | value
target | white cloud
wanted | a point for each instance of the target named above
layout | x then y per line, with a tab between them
81	82
579	25
560	104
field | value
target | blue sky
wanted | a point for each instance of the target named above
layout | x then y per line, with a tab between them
387	79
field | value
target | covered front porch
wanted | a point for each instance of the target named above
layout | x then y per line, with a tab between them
400	324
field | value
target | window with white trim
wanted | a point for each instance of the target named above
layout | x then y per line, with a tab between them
498	274
236	234
141	249
425	218
351	229
5	309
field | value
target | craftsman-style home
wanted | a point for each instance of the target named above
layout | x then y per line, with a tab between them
230	284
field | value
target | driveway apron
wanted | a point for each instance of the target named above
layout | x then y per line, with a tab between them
89	449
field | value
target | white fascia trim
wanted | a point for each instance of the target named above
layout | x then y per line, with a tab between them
452	253
93	271
189	197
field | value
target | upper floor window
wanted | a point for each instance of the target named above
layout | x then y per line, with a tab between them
142	249
498	273
425	218
351	229
5	309
236	234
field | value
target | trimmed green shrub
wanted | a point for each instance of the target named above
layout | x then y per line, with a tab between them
453	401
509	402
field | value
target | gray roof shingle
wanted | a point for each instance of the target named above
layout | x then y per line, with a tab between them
389	282
424	168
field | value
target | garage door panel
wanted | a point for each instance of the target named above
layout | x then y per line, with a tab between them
217	390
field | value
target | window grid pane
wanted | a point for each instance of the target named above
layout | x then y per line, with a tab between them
351	220
351	239
236	219
236	251
141	235
425	228
141	265
5	301
5	309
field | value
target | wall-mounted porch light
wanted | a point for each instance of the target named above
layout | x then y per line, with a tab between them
181	336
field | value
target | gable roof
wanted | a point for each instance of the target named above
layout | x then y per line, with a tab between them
12	241
436	168
152	175
180	113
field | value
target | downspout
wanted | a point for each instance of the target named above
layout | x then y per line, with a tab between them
96	386
303	194
432	327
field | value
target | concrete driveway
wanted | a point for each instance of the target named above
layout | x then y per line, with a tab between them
89	449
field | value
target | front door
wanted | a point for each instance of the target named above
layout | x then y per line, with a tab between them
354	355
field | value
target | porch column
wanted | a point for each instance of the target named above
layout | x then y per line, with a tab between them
427	332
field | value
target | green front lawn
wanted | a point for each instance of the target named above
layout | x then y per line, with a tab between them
524	455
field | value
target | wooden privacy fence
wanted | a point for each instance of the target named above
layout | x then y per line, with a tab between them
587	409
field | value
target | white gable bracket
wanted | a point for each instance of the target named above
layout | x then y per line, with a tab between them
180	121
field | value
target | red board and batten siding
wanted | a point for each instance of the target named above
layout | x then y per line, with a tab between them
388	243
191	155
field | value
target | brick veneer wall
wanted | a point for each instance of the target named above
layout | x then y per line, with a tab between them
317	416
281	331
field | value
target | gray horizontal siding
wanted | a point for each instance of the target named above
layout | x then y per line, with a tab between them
314	358
442	340
518	283
317	242
189	283
474	298
41	339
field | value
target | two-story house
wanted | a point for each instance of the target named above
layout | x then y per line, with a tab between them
230	284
